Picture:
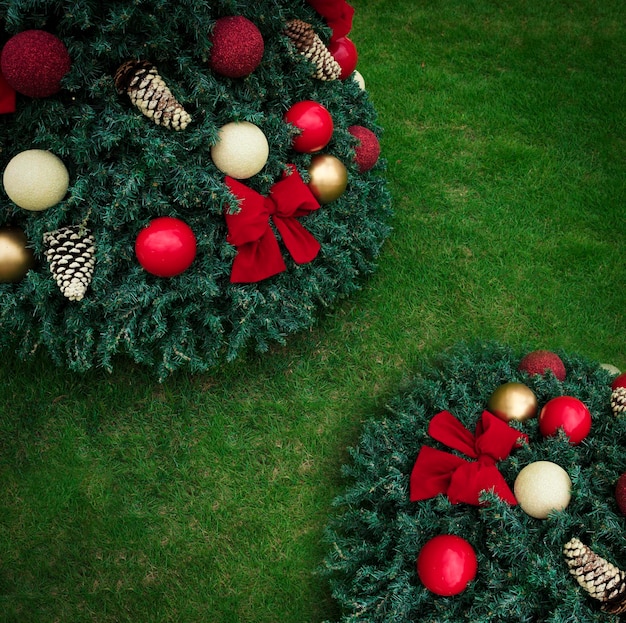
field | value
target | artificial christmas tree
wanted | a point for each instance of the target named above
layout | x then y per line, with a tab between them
133	98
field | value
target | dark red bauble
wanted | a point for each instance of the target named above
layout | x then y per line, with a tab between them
34	62
315	125
237	47
344	52
567	413
620	493
619	381
542	361
447	564
166	247
368	149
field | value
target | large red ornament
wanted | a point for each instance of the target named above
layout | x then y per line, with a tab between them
237	47
34	62
542	361
166	247
344	52
368	149
447	564
567	413
619	381
315	125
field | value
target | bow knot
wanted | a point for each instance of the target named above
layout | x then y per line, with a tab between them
249	230
436	471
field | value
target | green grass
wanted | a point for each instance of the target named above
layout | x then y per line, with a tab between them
205	498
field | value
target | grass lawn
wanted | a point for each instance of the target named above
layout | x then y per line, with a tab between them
204	498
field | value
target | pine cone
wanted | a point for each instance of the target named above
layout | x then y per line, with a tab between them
602	580
70	253
148	92
312	48
618	400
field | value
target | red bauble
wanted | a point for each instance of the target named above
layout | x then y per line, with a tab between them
166	247
542	361
368	149
315	125
620	493
447	564
567	413
237	47
33	62
619	381
344	52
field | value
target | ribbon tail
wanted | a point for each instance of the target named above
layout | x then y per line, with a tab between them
257	260
432	473
470	480
299	242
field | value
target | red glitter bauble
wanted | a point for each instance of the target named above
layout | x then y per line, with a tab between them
619	381
540	361
166	247
368	149
620	493
237	47
34	62
447	564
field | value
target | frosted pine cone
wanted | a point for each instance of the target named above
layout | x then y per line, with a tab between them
618	400
70	253
312	47
601	579
149	93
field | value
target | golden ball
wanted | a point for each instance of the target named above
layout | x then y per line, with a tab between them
513	402
241	150
16	259
541	488
329	178
36	179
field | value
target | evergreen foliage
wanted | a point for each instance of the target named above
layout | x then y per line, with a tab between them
126	170
376	533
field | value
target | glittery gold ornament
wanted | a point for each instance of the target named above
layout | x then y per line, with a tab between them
16	259
513	402
329	178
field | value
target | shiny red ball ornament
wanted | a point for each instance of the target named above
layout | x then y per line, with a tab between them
344	52
34	62
619	381
166	247
368	149
620	493
315	125
237	47
541	362
567	413
447	564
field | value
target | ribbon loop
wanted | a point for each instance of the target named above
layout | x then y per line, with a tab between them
249	230
436	471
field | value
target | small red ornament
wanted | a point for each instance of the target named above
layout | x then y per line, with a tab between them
166	247
447	564
7	96
620	493
344	52
567	413
368	149
34	62
619	381
542	361
237	47
315	125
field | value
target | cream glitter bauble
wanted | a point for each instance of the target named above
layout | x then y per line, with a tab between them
610	368
542	487
241	150
36	179
359	78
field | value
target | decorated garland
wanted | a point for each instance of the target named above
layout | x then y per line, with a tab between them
492	489
180	187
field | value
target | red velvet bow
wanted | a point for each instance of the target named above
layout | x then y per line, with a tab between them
337	13
258	253
463	481
7	96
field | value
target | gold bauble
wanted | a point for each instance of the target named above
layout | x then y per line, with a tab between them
329	178
513	402
15	258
